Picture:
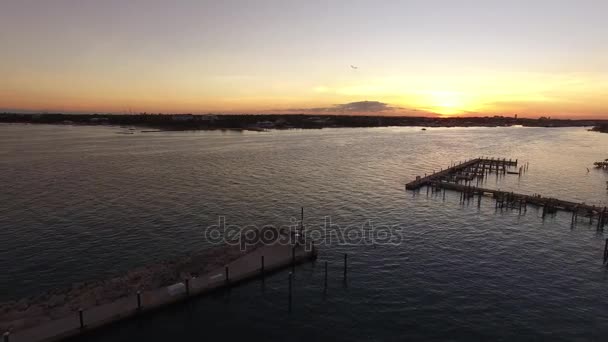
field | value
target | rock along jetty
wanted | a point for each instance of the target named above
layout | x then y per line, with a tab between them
257	263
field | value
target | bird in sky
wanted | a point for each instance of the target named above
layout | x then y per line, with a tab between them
354	67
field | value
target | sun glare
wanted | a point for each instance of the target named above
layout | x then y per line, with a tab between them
446	103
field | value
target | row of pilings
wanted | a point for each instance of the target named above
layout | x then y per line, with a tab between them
514	201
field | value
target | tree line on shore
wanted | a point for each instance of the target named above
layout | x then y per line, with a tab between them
246	121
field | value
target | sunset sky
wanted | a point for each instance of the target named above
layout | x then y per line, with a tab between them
487	57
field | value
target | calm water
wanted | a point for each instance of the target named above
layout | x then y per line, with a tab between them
81	203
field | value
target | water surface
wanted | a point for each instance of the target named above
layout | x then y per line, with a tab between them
82	203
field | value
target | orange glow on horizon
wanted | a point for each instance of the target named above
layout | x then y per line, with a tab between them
298	57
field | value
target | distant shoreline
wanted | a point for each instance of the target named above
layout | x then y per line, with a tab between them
602	128
177	122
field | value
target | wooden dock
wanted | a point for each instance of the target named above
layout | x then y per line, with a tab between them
459	178
601	164
467	170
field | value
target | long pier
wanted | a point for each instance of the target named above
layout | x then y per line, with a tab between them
459	178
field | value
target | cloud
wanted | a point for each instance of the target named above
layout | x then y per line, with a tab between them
365	107
356	108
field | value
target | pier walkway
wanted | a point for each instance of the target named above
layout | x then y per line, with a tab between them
465	170
459	178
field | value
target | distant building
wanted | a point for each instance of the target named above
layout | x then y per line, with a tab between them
207	117
265	124
182	117
98	120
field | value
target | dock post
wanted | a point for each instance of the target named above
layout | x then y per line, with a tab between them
262	266
345	263
81	317
301	223
479	200
227	276
138	300
572	220
6	336
290	281
325	282
520	206
606	251
293	259
544	210
187	280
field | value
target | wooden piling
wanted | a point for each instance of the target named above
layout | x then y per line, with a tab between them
187	280
81	318
290	287
262	265
138	300
293	259
325	282
227	275
345	263
606	251
7	336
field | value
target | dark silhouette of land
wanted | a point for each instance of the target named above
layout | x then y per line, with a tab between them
286	121
603	128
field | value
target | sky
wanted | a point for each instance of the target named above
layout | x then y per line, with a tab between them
422	58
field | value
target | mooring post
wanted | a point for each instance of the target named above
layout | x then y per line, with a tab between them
262	265
138	300
227	275
81	317
293	259
520	206
187	280
345	263
573	212
544	210
325	282
290	281
606	251
6	336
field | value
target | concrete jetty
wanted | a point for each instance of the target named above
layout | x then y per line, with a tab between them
263	260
